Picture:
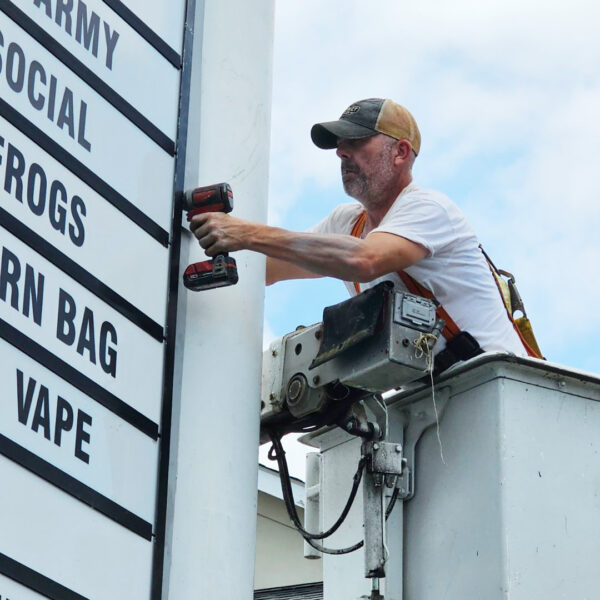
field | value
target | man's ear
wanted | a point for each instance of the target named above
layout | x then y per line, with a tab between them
403	151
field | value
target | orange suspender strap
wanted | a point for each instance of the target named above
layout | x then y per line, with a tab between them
357	232
413	286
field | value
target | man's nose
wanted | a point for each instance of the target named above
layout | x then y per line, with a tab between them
343	149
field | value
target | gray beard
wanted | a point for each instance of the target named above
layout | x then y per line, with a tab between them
371	191
358	187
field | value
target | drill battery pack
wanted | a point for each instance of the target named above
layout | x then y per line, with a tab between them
209	274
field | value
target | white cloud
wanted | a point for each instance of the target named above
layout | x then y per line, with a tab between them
268	335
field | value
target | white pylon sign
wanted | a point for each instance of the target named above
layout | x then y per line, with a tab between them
91	97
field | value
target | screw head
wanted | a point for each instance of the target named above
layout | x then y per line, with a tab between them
295	389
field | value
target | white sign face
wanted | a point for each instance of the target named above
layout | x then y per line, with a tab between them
10	590
41	302
89	101
67	213
56	101
163	17
39	521
50	418
107	45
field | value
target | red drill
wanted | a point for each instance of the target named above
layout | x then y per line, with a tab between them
220	270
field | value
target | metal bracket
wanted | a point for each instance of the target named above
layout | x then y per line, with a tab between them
419	417
358	422
378	408
384	458
384	464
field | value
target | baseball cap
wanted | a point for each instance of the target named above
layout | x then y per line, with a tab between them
366	118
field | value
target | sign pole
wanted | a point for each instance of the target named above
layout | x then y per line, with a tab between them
211	518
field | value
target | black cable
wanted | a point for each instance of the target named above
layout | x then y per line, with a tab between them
286	488
276	452
388	512
325	550
390	506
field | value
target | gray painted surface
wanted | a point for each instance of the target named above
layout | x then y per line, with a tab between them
513	510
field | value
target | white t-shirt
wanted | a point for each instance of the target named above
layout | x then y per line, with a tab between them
455	269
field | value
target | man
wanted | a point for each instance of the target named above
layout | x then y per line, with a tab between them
406	228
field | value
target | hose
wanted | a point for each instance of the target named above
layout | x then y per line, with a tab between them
276	452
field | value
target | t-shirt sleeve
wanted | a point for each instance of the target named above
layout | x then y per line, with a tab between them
421	220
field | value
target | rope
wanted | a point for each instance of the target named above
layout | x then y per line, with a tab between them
424	347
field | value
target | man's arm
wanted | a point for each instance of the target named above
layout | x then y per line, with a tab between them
281	270
341	256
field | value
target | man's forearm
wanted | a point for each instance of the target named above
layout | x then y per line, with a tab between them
340	256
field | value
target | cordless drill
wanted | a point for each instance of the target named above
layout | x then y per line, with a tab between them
220	270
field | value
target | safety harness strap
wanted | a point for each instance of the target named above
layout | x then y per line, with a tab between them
451	329
530	351
412	285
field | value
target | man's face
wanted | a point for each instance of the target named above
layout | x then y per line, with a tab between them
367	167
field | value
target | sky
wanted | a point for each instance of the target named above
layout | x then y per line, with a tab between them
507	98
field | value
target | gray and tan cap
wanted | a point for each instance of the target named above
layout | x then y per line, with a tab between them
366	118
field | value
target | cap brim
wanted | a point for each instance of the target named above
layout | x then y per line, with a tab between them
326	135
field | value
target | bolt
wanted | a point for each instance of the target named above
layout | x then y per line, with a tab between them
375	446
405	342
296	389
398	448
316	380
273	352
271	396
562	383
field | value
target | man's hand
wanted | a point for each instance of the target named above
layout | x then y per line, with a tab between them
218	232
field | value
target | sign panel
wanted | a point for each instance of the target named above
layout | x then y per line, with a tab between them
50	200
42	413
112	49
45	305
11	590
39	522
89	101
56	101
163	17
